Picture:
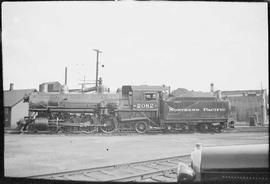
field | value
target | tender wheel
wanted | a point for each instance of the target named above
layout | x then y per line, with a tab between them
108	126
168	129
204	127
220	128
141	127
231	124
191	128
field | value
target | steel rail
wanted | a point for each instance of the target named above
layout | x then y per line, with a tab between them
122	172
145	175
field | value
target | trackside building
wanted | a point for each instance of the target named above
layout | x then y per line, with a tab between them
247	104
14	108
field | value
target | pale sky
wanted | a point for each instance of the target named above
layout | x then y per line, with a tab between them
179	44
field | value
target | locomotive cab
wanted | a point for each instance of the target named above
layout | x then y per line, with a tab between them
141	97
140	107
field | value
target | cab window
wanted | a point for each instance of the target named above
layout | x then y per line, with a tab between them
150	96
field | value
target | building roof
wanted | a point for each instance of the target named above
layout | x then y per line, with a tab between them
238	93
148	88
242	91
13	97
54	82
182	92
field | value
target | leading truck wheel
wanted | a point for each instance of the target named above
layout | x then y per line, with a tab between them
141	127
108	126
32	128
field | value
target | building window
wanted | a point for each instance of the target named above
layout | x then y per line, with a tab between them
6	114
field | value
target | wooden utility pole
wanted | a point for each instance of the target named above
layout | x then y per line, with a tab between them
98	51
65	75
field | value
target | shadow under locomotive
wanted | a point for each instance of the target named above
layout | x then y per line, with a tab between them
141	109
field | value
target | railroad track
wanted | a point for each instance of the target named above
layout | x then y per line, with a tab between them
134	133
158	170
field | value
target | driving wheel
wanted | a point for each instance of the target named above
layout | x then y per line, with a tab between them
141	127
108	126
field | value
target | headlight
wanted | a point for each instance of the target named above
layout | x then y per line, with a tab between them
184	173
192	173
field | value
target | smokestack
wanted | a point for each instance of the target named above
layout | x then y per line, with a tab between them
65	75
11	85
212	88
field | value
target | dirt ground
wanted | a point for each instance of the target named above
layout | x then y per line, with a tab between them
27	155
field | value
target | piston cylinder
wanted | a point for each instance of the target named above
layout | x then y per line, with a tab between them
42	123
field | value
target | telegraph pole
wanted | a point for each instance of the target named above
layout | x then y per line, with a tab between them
65	75
98	51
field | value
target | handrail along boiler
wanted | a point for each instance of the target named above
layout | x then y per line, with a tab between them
139	108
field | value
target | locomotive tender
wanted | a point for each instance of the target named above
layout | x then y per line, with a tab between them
139	108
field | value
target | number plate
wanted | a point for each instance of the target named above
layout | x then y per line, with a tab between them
145	106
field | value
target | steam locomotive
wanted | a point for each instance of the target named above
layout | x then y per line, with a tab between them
133	108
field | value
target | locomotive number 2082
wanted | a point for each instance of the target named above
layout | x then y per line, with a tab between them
145	106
